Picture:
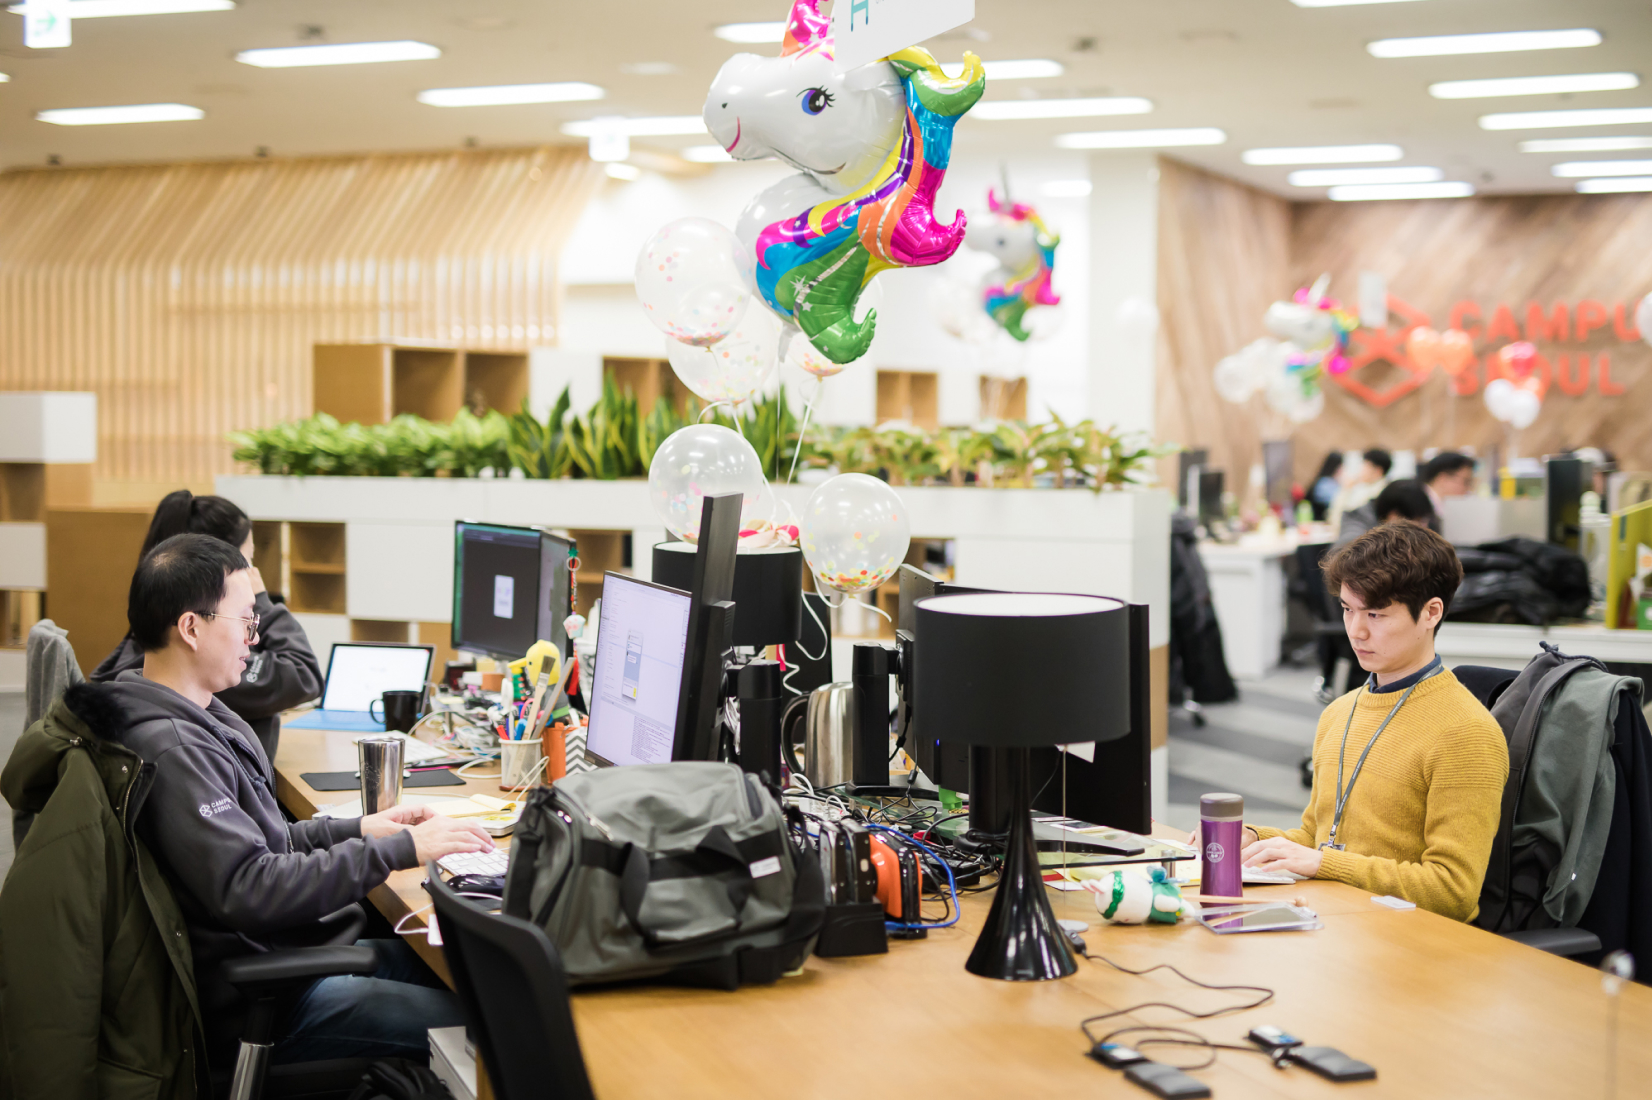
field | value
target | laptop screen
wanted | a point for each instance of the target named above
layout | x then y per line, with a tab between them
360	672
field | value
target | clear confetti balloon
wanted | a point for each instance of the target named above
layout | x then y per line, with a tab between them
735	367
854	532
691	282
704	460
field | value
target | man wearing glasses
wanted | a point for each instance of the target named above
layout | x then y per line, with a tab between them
246	879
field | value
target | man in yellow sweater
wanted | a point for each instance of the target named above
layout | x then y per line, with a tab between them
1409	769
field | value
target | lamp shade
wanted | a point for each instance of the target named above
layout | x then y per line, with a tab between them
1023	669
768	589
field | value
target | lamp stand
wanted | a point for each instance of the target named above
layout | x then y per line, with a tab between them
1021	941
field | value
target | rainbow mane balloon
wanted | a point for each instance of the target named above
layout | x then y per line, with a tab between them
1029	284
812	266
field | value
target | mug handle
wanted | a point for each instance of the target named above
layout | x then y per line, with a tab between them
793	720
379	718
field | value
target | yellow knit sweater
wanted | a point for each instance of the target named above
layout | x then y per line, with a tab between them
1421	820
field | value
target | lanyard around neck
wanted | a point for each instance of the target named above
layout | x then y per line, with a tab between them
1343	796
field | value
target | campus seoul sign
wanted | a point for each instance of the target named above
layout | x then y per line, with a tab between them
1467	349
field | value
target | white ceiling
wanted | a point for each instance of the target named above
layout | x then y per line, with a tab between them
1266	71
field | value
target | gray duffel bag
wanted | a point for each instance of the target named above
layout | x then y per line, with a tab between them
686	873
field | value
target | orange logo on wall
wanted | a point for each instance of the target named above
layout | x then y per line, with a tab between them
1416	350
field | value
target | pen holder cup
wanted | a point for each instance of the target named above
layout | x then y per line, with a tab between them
521	763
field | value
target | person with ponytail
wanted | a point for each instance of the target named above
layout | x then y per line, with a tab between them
282	670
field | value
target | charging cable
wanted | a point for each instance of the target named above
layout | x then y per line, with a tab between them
951	882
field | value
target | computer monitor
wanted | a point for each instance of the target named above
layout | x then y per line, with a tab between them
359	672
642	643
511	587
1186	461
710	628
1210	497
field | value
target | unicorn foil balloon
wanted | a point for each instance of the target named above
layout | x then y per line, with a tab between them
871	147
1025	250
1316	326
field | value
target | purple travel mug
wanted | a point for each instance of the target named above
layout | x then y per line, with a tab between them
1222	832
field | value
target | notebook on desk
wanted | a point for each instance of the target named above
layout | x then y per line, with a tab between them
357	674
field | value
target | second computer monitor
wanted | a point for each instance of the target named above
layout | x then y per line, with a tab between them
510	588
642	640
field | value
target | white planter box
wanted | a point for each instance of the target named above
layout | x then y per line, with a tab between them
1071	540
23	555
48	427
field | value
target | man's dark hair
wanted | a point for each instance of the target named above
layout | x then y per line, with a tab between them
1379	458
1446	462
1405	498
184	573
1396	563
183	512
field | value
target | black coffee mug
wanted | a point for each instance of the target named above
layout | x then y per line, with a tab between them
401	709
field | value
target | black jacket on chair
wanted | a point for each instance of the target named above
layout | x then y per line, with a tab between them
1620	910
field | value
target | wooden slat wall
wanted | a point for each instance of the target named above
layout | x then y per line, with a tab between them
188	296
1223	254
1220	265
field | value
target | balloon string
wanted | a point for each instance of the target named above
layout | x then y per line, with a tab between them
719	405
803	428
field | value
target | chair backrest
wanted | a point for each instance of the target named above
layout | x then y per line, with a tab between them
510	980
1484	682
1310	582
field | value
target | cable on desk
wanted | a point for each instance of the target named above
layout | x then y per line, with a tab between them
1266	996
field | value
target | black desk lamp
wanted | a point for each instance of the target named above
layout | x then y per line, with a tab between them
1018	670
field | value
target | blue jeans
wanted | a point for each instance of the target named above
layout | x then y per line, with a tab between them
382	1016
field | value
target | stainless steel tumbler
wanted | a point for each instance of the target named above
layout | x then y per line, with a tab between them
380	761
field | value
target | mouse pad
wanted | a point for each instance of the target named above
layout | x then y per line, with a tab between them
347	781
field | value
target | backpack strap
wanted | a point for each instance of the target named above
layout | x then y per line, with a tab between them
717	855
1522	738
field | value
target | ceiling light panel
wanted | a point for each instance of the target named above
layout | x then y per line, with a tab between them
504	94
1141	139
1003	109
105	9
1337	177
1030	69
1323	154
618	171
1617	186
1578	169
1373	192
1585	145
1341	3
1537	120
668	126
4	78
339	53
1500	42
752	33
1534	85
114	116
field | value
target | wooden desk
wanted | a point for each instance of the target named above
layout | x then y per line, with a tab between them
1441	1009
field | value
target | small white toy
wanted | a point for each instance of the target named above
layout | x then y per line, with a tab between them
1130	897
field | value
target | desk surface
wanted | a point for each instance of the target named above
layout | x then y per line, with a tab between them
1441	1009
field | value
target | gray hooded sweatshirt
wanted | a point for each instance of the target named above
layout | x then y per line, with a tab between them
247	880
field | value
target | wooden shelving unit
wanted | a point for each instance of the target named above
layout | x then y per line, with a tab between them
370	383
652	380
1003	398
599	553
911	396
315	567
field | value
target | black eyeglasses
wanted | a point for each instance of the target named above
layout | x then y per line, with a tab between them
252	623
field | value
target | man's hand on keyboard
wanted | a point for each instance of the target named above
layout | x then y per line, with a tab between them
434	836
396	818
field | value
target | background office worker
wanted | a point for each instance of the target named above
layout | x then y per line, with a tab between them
246	880
1409	769
1447	474
282	670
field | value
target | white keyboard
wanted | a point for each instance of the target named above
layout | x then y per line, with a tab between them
475	863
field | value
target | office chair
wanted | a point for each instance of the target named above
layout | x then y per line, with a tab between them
265	980
510	979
